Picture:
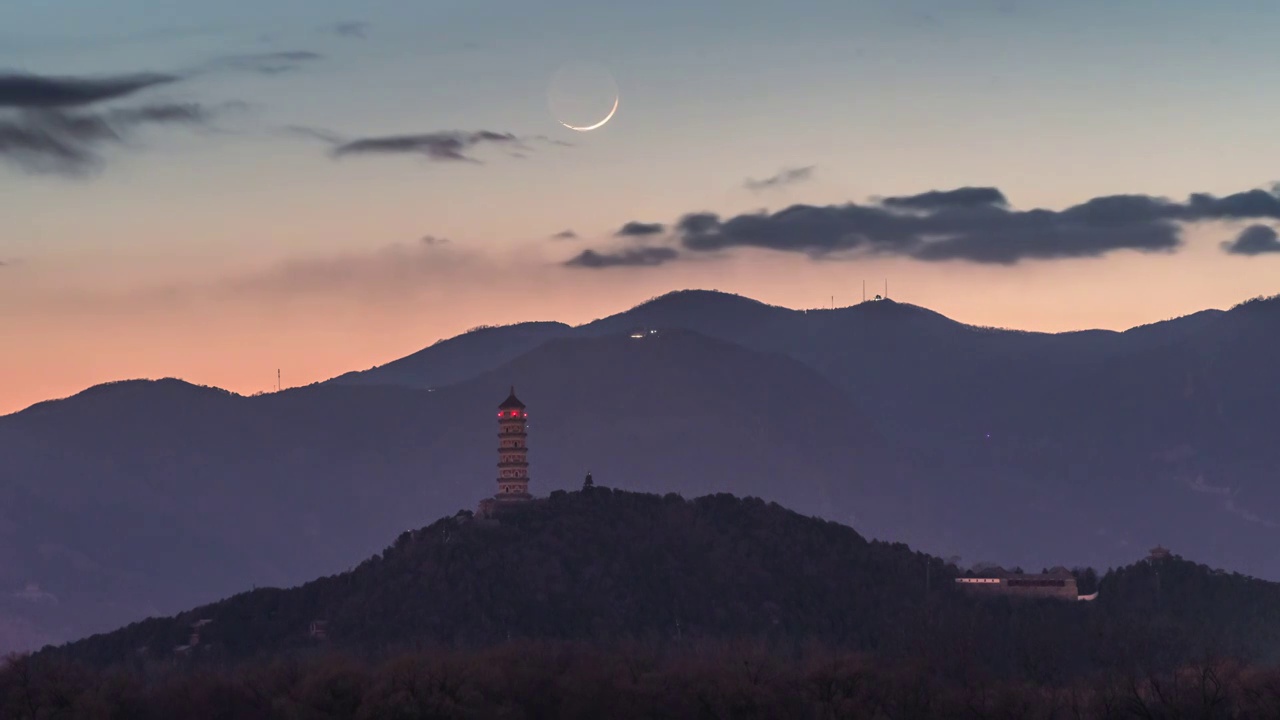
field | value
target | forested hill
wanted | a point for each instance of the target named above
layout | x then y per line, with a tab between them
605	565
601	564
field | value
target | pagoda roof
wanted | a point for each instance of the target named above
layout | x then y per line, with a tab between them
512	401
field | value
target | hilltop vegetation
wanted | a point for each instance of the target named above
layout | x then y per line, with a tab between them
604	603
600	565
606	566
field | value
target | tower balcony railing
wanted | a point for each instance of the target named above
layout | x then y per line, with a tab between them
513	465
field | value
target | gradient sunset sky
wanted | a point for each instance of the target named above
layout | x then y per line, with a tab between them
213	191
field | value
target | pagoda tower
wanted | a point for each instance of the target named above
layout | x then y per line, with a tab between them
513	450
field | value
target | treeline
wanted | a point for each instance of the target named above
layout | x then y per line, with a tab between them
563	680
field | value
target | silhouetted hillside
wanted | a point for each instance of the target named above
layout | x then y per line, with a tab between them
145	497
599	564
610	566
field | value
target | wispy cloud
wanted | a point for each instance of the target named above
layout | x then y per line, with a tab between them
32	593
628	257
272	63
386	272
438	146
786	176
390	277
1228	497
441	146
61	124
350	29
565	235
976	224
99	41
70	143
314	133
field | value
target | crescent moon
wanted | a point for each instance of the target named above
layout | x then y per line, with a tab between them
606	119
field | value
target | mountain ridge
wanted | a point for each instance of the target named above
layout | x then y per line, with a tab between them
670	303
998	446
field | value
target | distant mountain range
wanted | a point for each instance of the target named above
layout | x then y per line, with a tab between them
146	497
1088	445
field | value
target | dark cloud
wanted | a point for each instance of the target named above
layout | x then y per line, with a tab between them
976	224
939	199
640	229
786	176
272	63
1248	204
433	241
630	257
36	92
440	146
696	223
69	143
179	113
565	235
350	29
25	91
57	125
447	145
1254	240
985	234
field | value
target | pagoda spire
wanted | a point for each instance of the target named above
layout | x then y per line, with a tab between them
513	450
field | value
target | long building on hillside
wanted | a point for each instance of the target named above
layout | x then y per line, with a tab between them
1058	583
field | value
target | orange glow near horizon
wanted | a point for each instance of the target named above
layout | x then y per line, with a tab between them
313	325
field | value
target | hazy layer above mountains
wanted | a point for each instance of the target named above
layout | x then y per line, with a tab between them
147	497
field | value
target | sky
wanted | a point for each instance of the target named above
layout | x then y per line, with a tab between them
215	191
